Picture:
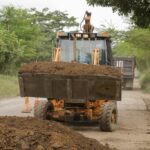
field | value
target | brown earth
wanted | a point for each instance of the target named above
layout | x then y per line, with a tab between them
18	133
62	68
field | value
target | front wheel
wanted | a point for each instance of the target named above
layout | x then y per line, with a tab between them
108	117
40	109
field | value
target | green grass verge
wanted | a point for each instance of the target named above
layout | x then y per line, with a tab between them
8	86
145	81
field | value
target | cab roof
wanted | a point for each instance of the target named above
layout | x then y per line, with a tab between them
80	36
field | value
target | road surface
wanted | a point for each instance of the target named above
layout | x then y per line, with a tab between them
133	129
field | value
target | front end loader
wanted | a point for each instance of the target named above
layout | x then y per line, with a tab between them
89	95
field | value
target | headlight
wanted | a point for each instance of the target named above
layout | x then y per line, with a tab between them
78	35
105	34
61	33
85	36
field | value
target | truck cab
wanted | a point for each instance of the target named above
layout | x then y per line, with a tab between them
80	47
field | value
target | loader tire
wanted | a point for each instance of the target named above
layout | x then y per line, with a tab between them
40	109
108	117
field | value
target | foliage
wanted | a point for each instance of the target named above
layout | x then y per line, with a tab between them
50	23
139	10
27	35
137	43
9	49
145	81
116	35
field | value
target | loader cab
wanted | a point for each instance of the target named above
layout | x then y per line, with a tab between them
78	47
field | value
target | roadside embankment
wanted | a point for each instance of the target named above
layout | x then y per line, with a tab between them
8	86
145	95
146	99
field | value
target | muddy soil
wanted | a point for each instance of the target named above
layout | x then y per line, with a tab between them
31	134
62	68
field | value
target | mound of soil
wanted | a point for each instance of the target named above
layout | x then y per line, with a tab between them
62	68
31	134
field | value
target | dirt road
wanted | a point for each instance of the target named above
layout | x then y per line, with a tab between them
133	130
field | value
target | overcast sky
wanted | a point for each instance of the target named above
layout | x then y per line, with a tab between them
76	8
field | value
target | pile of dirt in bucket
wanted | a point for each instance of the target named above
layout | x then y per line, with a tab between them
63	68
18	133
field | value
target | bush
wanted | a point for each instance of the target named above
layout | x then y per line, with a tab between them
145	81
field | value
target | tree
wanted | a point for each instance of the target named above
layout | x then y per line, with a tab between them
138	9
117	36
27	35
53	21
50	23
137	43
9	50
20	22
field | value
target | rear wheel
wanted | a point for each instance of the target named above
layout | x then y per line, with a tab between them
40	109
108	117
128	85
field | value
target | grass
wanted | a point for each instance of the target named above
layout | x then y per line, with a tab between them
145	81
9	86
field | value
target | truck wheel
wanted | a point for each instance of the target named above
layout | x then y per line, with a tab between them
40	109
129	84
108	117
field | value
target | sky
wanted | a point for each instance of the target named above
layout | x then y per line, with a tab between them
100	16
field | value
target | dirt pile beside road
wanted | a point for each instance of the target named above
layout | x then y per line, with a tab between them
62	68
18	133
